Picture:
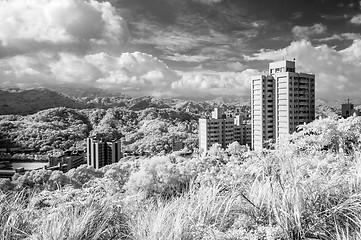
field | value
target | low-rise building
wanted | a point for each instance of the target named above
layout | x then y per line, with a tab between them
349	110
222	130
66	162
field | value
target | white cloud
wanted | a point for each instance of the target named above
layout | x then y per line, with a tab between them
202	83
343	36
303	32
134	73
337	72
356	19
236	66
28	25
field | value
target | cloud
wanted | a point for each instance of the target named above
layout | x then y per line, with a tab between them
337	72
303	32
203	83
186	58
343	36
236	66
31	25
356	19
208	1
176	39
136	74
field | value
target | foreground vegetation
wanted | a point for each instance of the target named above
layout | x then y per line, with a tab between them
309	187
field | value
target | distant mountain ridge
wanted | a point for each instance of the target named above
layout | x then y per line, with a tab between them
29	101
26	101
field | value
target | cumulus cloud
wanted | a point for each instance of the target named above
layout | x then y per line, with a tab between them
134	73
356	19
202	83
34	25
303	32
337	72
79	43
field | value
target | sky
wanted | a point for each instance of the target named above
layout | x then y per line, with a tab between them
179	48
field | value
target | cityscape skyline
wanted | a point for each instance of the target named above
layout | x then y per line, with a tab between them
174	48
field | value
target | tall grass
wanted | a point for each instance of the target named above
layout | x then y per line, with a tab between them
309	196
19	219
285	195
95	222
195	215
14	216
202	213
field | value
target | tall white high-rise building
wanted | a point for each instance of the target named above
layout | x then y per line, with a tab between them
280	101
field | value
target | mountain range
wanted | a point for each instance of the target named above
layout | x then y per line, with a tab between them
29	101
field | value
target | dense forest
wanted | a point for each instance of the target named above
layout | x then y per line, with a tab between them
62	128
52	121
307	187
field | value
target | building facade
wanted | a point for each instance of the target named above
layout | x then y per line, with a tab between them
66	162
348	110
280	101
100	153
222	130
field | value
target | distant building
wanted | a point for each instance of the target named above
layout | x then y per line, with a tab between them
67	161
242	130
349	110
222	130
101	153
280	102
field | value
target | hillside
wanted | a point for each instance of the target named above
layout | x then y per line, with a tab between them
23	102
151	129
30	101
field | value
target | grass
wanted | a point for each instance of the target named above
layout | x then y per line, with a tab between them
198	214
19	219
291	196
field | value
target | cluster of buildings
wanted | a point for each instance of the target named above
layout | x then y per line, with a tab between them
223	129
66	162
280	101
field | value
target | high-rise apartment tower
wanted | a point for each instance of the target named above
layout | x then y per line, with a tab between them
280	101
100	153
